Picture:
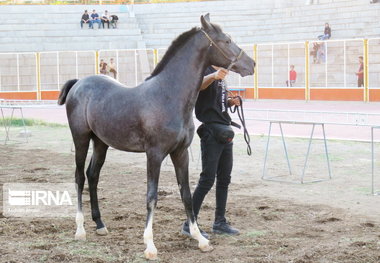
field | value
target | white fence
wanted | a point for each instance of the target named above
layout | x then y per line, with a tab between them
335	67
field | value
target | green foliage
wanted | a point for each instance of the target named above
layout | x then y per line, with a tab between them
17	122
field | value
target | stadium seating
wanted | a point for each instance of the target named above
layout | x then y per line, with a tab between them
56	27
270	21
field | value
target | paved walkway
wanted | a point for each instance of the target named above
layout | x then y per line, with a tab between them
58	115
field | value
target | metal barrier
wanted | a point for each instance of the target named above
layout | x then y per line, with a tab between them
17	105
58	67
329	74
341	55
18	72
302	177
274	60
370	120
326	117
374	192
132	65
374	63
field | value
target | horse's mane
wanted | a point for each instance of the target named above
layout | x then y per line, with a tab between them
174	47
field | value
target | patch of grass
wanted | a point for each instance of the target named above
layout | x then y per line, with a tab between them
336	158
82	252
364	190
255	233
29	122
91	250
43	258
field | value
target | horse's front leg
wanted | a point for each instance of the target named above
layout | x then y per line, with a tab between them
180	159
154	161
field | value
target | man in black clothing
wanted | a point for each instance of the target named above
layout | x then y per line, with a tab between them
85	19
217	157
114	19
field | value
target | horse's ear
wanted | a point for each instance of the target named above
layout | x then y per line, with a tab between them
207	17
205	21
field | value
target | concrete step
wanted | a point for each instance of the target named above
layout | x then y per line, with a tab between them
85	32
78	45
57	26
55	9
69	39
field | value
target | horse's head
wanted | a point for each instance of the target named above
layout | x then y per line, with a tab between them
224	52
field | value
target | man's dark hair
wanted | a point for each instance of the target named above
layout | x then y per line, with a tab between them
361	57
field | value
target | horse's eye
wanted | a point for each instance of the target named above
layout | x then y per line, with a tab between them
228	41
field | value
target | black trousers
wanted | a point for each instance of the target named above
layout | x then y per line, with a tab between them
106	22
217	161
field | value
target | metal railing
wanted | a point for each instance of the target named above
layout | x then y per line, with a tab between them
335	70
326	117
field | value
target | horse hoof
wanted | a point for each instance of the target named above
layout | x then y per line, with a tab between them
206	248
102	231
150	255
80	236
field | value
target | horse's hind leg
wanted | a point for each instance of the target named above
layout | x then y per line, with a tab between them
81	148
180	159
154	160
93	171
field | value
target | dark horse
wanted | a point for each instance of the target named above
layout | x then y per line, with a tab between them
155	117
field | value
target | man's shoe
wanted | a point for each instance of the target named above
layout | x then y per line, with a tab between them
222	227
186	231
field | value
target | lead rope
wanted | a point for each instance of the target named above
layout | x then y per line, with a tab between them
240	112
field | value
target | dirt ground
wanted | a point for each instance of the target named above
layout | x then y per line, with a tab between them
336	220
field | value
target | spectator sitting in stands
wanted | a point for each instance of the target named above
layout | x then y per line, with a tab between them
114	20
373	1
106	19
327	33
85	19
292	77
94	19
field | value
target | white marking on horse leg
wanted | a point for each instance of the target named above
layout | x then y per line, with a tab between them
203	243
81	233
151	250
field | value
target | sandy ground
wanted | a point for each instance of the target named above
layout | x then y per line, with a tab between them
336	220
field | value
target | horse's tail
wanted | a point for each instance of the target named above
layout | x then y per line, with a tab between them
65	90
